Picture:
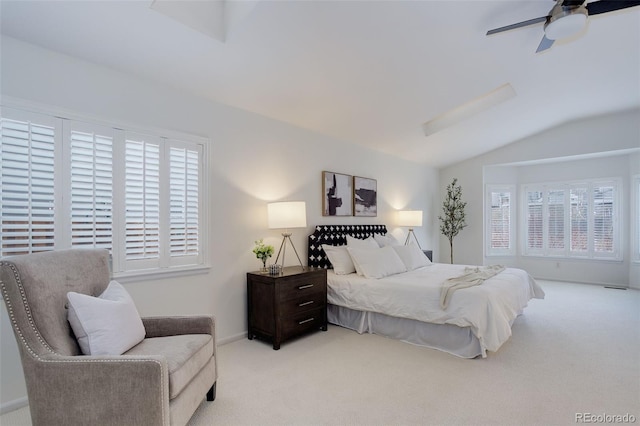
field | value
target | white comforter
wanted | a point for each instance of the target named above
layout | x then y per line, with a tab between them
488	309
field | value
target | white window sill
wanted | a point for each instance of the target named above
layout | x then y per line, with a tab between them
574	258
155	274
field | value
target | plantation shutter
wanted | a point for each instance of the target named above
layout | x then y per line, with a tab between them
500	220
184	183
27	203
556	218
579	219
91	186
534	209
603	219
142	199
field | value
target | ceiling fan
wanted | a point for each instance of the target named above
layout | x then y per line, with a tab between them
568	17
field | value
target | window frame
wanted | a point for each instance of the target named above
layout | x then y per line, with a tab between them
568	253
490	189
64	123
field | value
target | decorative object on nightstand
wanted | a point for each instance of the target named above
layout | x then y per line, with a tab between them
286	305
286	215
263	252
411	219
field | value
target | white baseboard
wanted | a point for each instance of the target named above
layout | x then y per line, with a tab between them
14	405
233	338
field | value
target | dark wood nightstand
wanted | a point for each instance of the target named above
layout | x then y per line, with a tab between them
286	305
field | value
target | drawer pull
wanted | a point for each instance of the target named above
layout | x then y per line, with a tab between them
307	320
302	287
306	303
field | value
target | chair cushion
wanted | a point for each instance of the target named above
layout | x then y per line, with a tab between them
186	355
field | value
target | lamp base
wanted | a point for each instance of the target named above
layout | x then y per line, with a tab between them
283	248
409	234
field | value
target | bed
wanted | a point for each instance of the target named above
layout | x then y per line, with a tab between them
409	305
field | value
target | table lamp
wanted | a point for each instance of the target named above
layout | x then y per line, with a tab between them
410	218
286	215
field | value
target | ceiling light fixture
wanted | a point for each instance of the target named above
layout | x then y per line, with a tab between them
468	110
566	22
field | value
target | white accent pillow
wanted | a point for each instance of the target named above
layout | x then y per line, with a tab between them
412	256
386	240
377	263
105	325
360	243
340	259
367	243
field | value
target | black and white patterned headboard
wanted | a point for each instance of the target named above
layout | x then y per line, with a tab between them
336	235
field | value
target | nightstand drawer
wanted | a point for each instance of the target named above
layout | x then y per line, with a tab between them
297	324
301	288
303	302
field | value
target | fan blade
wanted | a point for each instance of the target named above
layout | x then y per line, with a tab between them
604	6
570	3
518	25
545	43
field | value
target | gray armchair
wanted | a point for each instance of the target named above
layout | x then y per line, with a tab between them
160	381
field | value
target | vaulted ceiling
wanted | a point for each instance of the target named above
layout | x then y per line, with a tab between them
366	72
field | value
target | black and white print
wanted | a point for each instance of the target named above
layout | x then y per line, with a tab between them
337	193
365	197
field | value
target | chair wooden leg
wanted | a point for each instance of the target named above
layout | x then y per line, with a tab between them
211	395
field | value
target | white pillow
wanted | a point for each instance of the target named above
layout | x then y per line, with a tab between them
386	240
360	243
105	325
368	243
377	263
412	256
340	259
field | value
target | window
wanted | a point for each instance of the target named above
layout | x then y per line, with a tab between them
500	220
572	220
67	183
91	185
27	185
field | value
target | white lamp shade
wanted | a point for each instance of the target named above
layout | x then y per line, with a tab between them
410	218
287	214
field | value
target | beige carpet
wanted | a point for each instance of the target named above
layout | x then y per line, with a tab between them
577	351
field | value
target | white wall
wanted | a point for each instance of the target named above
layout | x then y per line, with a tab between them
595	138
634	267
253	160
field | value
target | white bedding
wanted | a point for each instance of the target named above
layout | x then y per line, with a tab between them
487	309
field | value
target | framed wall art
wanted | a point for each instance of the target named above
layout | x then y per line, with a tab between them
365	197
337	194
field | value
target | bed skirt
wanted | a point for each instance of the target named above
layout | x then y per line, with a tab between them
459	341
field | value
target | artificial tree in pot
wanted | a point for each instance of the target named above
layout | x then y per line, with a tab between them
452	221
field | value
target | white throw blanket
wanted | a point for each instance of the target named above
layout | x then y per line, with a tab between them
472	276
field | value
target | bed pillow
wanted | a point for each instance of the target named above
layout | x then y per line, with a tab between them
412	256
377	263
360	243
105	325
340	259
386	240
367	243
